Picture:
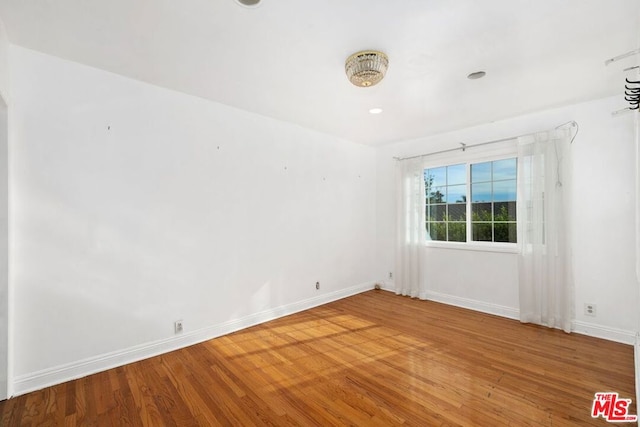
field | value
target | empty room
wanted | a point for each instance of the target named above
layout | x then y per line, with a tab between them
261	212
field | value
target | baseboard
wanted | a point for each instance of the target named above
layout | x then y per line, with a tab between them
35	381
637	358
471	304
604	332
484	307
386	286
584	328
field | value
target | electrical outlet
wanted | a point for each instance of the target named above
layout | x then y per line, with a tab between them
317	285
390	275
177	326
590	309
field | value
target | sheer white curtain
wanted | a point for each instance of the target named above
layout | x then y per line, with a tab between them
410	270
544	229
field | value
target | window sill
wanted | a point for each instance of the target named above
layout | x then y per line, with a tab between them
511	248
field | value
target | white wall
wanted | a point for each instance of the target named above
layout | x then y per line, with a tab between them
4	213
4	251
135	206
637	346
604	238
4	62
637	160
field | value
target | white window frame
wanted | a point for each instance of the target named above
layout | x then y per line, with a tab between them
470	156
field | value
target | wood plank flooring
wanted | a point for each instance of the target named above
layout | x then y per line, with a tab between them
374	359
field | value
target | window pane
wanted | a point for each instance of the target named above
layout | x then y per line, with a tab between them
505	211
436	212
436	177
429	214
457	174
428	183
481	212
481	232
513	232
481	192
504	169
504	190
437	195
456	194
457	232
438	230
481	172
457	212
505	232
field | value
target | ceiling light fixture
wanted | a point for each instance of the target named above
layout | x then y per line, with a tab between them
476	75
375	110
366	68
249	3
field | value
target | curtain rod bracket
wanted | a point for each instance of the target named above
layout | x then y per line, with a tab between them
573	124
464	146
570	122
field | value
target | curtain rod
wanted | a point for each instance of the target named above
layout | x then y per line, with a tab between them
464	146
619	57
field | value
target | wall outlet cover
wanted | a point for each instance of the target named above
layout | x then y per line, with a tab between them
590	309
178	327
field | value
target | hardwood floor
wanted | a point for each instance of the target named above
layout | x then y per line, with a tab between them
374	359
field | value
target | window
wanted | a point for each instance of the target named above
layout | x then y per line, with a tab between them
446	208
472	202
493	201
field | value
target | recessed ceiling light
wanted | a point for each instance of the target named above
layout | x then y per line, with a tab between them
249	3
375	110
476	75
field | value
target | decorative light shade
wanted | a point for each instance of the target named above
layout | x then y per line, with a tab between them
366	68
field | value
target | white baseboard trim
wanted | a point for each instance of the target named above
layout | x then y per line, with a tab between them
604	332
59	374
484	307
471	304
584	328
637	359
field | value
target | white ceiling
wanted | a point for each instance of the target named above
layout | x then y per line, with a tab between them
285	58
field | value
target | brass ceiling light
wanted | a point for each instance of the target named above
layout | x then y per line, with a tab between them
366	68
